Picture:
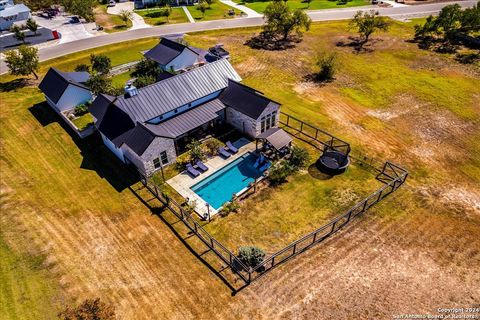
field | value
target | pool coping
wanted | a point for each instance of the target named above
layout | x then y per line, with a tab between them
183	182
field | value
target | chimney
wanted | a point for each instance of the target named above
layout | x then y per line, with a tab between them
130	89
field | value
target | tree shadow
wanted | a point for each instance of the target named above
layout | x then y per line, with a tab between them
358	45
13	85
266	41
96	157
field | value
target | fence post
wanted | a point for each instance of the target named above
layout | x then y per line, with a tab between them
314	237
294	248
333	226
301	126
380	195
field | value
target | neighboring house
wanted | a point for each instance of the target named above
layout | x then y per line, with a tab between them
172	56
140	4
149	127
11	13
65	90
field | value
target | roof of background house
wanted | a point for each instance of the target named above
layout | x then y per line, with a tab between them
14	10
56	82
166	51
169	94
188	120
139	138
277	137
245	99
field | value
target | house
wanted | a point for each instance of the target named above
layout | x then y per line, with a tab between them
149	127
140	4
11	13
65	90
173	56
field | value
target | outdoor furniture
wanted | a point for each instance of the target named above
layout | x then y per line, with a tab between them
265	166
231	147
201	166
223	152
192	170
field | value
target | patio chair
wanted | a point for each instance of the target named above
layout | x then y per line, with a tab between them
231	147
257	163
192	170
201	166
223	152
265	166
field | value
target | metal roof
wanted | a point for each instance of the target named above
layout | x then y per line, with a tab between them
188	120
56	82
245	99
277	137
174	92
139	139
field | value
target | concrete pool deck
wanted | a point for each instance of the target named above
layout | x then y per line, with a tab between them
183	182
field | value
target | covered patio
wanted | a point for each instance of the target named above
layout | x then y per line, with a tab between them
275	142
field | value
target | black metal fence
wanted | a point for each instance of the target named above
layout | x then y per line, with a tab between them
392	176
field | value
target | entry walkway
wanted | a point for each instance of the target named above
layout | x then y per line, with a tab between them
189	15
137	20
250	12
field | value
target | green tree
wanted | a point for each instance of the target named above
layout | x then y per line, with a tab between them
143	81
18	33
299	158
326	64
280	20
82	8
125	16
251	256
38	5
202	6
23	61
279	173
99	83
146	67
366	23
168	12
100	63
471	19
195	150
90	309
449	20
82	68
32	25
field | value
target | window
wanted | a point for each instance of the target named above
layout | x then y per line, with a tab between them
164	157
156	163
268	121
273	118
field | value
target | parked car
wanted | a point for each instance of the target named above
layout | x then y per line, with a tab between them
74	19
111	3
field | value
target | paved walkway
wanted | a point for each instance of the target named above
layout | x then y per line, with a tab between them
137	20
189	15
250	12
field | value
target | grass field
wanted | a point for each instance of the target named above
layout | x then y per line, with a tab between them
83	121
260	6
109	22
177	16
72	226
216	11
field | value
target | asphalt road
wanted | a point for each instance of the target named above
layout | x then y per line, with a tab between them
320	15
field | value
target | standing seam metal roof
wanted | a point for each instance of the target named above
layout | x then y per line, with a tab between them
174	92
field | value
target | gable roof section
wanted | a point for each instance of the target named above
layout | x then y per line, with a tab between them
166	51
277	137
169	94
116	125
245	99
56	82
188	120
139	138
100	105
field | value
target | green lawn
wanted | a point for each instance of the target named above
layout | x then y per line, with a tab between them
83	121
177	16
216	11
121	79
260	6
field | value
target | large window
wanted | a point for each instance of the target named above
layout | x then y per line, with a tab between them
156	163
164	157
268	121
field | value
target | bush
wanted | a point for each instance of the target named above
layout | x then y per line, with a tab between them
229	207
158	14
299	158
327	65
279	173
213	145
182	161
195	150
82	68
89	309
79	110
143	81
146	67
251	256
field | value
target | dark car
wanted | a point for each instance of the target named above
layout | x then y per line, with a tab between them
74	19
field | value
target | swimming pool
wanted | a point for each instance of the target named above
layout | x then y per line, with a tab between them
231	179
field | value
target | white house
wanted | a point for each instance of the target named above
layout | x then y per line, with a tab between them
11	13
149	127
65	90
173	56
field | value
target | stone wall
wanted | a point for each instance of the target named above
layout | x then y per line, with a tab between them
248	126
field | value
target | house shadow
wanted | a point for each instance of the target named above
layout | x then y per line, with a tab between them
96	157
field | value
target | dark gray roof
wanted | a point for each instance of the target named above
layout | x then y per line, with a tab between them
174	92
100	106
80	77
245	99
188	120
165	51
139	139
116	125
277	137
56	82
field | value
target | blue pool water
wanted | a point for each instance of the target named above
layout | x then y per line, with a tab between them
220	186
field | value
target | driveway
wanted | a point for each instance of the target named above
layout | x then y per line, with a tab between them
137	20
69	32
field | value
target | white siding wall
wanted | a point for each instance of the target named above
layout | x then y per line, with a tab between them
117	151
184	60
72	97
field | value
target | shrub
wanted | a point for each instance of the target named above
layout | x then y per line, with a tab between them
182	161
213	145
229	207
89	309
82	68
279	173
79	110
299	158
251	256
143	81
195	150
327	66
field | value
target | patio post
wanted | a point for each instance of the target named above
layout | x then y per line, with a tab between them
163	176
208	212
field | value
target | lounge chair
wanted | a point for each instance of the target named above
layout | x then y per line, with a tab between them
224	153
257	163
265	166
192	170
201	166
231	147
